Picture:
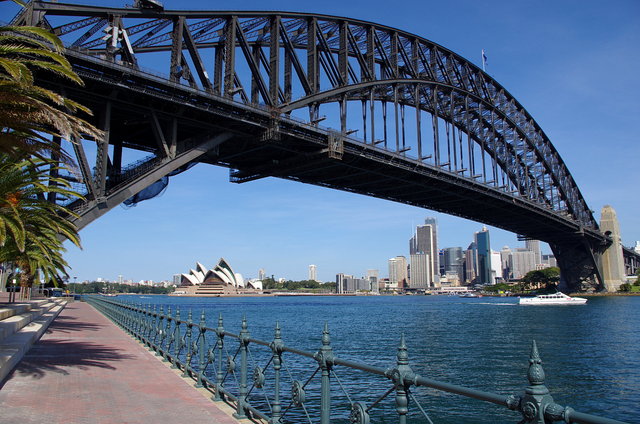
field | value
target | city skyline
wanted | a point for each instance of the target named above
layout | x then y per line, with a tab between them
551	56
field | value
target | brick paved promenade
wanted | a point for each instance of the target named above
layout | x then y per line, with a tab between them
87	370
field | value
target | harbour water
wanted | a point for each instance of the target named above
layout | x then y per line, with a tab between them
590	352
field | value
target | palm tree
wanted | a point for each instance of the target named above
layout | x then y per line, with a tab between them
30	114
32	229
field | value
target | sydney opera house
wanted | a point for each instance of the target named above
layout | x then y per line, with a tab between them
218	281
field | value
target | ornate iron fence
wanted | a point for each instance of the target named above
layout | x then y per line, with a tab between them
210	356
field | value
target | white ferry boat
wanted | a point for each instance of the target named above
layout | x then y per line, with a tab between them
553	299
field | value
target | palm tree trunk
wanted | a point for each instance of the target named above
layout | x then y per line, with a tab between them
26	278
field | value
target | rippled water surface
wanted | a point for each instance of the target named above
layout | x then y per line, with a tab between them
590	352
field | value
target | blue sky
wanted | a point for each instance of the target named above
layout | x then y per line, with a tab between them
572	64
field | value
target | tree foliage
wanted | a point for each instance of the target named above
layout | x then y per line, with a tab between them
31	228
290	285
29	114
543	276
101	287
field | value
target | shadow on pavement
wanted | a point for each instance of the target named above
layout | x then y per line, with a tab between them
68	324
56	355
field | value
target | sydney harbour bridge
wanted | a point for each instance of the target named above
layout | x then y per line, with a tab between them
323	100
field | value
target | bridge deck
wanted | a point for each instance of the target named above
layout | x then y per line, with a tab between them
87	370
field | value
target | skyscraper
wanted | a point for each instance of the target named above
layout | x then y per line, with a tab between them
470	263
534	246
398	270
425	242
483	256
421	277
372	277
313	273
261	274
523	261
506	262
453	261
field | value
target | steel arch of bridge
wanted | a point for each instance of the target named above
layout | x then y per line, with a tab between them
463	129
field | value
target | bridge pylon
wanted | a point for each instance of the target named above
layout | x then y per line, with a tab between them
612	258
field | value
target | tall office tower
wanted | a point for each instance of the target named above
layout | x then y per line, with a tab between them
398	270
441	271
313	273
425	242
340	283
421	276
636	248
523	260
261	274
453	261
496	268
534	246
506	263
483	256
470	263
373	278
550	260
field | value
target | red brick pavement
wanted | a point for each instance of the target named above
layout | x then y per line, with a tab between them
87	370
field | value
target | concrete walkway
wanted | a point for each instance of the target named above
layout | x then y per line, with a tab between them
87	370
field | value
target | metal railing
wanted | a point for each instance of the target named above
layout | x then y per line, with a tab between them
210	356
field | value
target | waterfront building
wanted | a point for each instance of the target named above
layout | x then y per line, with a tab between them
346	284
219	280
470	263
373	278
523	260
425	242
398	271
549	261
453	262
441	262
534	246
483	256
496	269
340	277
262	274
313	273
506	263
421	277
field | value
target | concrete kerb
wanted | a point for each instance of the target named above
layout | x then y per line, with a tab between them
15	346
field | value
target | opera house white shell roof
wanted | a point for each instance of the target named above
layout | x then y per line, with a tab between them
222	272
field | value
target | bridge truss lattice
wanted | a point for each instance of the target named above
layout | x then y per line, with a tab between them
325	100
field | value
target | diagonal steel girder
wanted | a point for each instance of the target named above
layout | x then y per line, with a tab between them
92	210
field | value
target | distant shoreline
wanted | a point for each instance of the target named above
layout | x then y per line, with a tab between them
605	294
597	294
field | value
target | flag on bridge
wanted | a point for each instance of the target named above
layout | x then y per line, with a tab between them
484	60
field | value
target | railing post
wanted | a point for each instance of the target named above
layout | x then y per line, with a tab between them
537	405
157	339
177	341
325	360
202	349
166	336
403	377
187	337
242	390
148	325
220	372
276	347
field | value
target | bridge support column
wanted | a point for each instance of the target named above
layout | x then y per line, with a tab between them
612	258
578	263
